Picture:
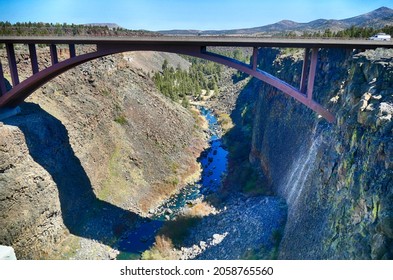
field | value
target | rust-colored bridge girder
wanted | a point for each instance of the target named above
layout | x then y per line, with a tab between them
33	58
2	81
188	46
12	64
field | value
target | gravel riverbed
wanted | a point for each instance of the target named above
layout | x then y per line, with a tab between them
247	227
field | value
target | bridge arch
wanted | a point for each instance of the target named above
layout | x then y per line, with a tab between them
22	90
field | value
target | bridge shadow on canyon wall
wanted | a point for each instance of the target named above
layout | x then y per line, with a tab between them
83	213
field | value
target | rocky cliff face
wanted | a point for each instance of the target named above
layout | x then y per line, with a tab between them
337	179
98	147
91	152
30	213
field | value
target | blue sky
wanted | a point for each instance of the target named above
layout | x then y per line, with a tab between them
182	14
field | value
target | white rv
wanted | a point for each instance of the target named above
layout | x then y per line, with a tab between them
380	37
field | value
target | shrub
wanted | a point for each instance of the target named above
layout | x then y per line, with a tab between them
162	249
121	120
201	209
225	121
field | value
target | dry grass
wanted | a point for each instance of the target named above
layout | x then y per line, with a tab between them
161	250
200	121
225	121
186	173
201	209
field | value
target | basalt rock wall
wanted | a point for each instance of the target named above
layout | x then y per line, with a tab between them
337	178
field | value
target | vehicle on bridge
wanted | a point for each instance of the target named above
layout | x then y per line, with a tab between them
380	37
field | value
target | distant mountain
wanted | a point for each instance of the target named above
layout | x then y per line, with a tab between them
376	19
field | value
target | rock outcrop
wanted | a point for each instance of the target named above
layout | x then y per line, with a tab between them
337	179
30	214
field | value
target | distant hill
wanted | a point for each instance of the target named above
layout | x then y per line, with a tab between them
57	29
109	25
376	19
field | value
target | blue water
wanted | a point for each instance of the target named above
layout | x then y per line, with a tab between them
214	167
214	160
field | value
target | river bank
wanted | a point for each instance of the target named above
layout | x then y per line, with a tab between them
234	227
246	228
238	226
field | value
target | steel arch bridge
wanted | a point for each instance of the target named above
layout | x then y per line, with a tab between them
193	46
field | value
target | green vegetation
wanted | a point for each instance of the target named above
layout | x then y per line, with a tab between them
181	85
61	29
264	253
68	248
161	250
352	32
172	180
251	178
239	55
178	84
239	76
128	256
225	121
248	178
179	229
170	236
120	116
290	51
105	92
121	120
113	174
115	188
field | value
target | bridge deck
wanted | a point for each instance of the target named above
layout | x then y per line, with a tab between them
189	45
207	41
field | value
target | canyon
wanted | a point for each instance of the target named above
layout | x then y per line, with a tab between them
95	151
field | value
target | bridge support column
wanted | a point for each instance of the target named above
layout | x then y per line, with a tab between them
12	64
2	81
254	59
72	50
33	58
304	71
311	75
53	54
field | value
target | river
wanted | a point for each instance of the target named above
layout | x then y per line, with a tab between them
214	166
245	227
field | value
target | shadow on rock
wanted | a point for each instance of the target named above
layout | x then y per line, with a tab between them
83	213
